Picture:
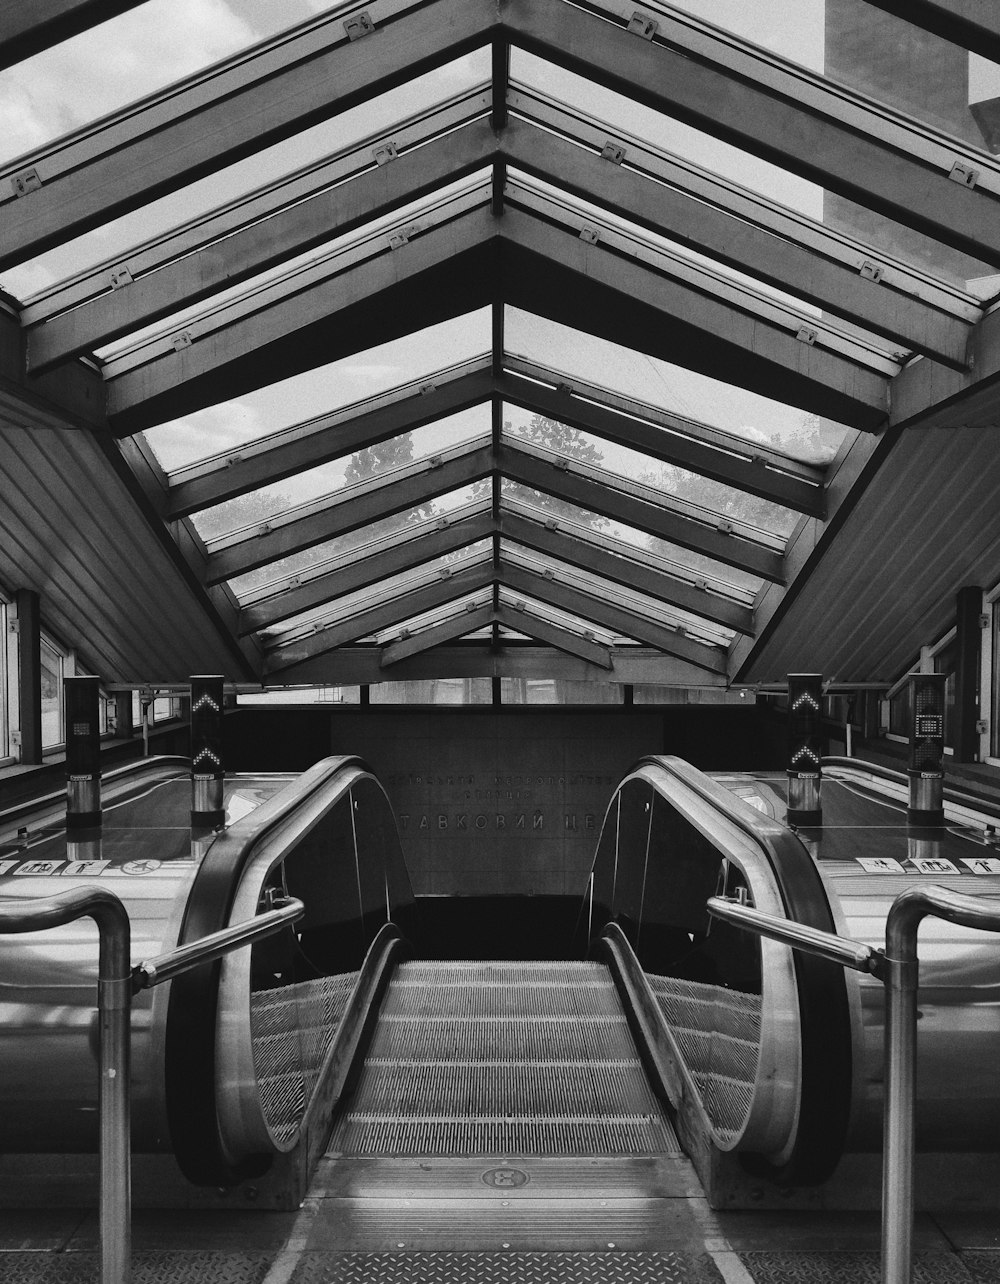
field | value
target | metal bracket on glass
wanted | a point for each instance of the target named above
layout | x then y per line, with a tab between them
964	173
872	271
807	336
120	276
641	24
29	180
358	26
590	235
613	152
385	153
183	340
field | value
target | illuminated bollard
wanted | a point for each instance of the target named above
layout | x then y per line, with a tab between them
83	753
207	772
805	749
926	765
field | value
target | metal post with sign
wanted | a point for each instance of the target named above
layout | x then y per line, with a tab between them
926	764
83	753
207	772
805	748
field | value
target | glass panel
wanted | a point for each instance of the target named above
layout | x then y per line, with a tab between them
52	670
649	693
68	85
780	185
573	624
639	604
302	695
278	573
6	678
305	396
748	415
669	557
666	478
331	478
433	691
558	691
114	238
388	590
945	661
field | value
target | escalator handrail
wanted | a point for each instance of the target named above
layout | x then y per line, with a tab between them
824	1010
57	797
189	1059
961	797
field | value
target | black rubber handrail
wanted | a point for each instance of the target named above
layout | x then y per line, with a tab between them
962	796
57	797
193	1005
824	1011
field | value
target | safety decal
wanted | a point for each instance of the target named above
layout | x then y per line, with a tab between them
91	868
880	865
982	864
38	867
141	866
933	865
238	807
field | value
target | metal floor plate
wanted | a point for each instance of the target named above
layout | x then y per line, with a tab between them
852	1268
147	1268
507	1268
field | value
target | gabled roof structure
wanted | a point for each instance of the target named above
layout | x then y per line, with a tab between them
507	501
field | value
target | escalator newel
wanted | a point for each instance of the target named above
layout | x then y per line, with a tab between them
207	771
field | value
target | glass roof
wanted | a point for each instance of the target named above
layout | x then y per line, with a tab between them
738	166
745	414
667	556
388	591
305	149
339	475
248	587
666	479
255	415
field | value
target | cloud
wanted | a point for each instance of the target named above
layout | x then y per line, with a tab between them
208	432
111	65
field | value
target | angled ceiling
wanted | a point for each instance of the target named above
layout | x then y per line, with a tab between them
503	497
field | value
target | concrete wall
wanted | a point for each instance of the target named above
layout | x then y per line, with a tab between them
493	802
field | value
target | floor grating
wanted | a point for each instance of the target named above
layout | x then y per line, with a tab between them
852	1268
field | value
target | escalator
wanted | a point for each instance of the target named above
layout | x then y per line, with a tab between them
502	1059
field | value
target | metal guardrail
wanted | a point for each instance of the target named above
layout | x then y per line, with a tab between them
116	983
897	967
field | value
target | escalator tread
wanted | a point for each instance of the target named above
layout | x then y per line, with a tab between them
503	1058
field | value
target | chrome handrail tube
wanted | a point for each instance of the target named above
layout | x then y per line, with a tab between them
114	1006
166	966
116	983
897	967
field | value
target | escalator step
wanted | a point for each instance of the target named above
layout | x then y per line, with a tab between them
528	1039
485	1088
513	1000
370	1134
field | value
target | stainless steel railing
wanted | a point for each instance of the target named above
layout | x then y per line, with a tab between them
897	967
116	983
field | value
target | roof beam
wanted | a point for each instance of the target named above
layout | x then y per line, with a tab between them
442	273
398	491
729	442
787	115
227	112
551	272
666	439
27	29
332	436
609	616
362	567
360	664
573	547
323	217
972	23
467	621
526	621
837	287
662	520
384	616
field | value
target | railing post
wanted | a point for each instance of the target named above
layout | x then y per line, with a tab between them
114	1103
900	980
